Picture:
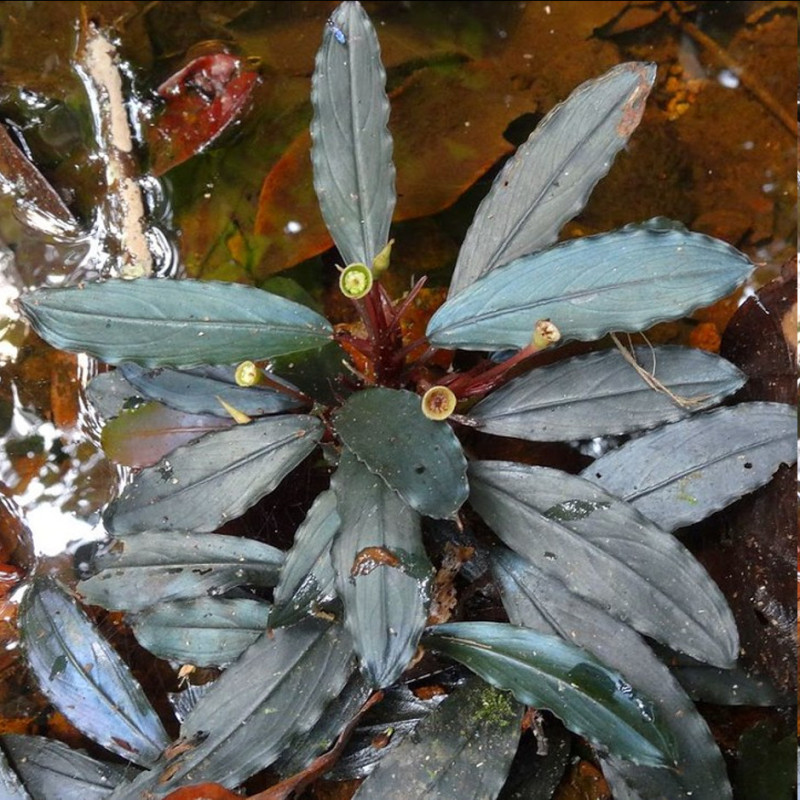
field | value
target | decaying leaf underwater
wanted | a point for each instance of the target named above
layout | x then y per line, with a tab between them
585	565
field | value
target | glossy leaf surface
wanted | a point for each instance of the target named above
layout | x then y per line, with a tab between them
215	478
551	176
307	575
351	145
382	571
420	459
462	749
81	674
547	672
36	202
605	551
206	631
275	691
601	394
173	323
683	472
199	391
531	597
51	769
177	566
625	280
143	435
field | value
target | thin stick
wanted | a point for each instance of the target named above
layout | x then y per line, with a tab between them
650	379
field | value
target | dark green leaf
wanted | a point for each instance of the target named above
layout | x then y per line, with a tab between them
318	373
683	472
200	390
338	713
537	771
173	323
625	280
767	765
177	566
547	672
613	556
397	715
215	478
532	598
462	750
351	144
382	571
206	632
307	576
142	436
552	175
275	691
419	458
81	674
11	787
601	394
727	687
52	770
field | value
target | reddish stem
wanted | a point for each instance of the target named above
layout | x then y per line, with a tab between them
480	380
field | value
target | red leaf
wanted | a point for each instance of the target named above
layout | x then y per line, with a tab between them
143	436
201	101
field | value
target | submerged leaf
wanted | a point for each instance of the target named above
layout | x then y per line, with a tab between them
206	631
200	102
143	435
177	566
173	323
81	674
351	144
200	391
542	602
51	769
36	202
625	280
216	478
547	672
109	394
551	176
419	458
679	474
463	749
605	551
601	394
382	571
307	576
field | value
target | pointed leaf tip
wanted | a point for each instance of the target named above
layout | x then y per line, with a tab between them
551	176
625	280
81	674
354	176
547	672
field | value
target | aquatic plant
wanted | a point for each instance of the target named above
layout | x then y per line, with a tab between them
585	565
